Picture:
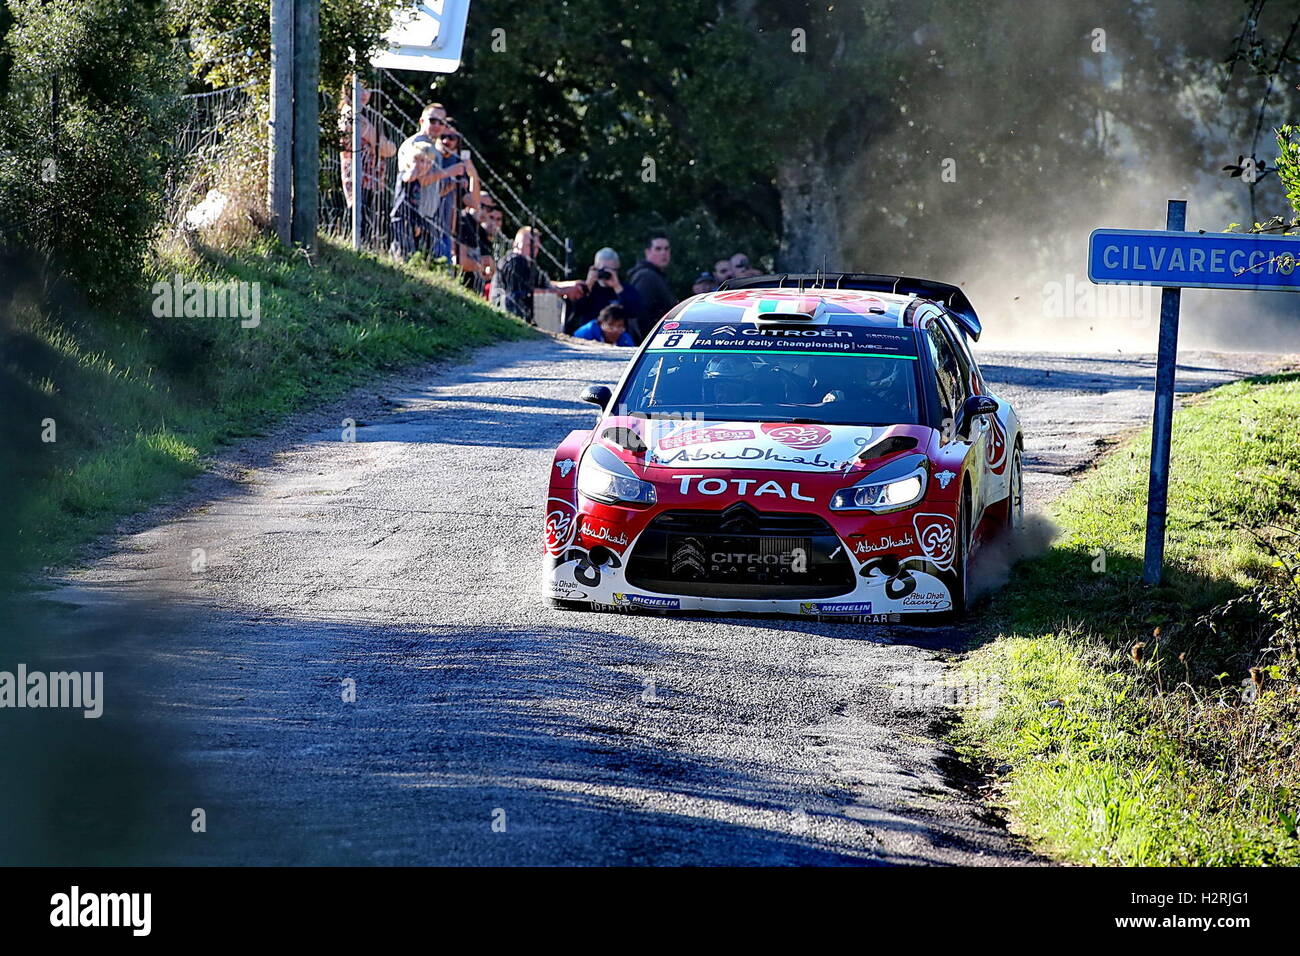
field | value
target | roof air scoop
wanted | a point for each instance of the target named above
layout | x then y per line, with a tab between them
800	309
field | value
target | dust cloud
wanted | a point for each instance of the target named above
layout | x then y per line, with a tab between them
999	556
1017	130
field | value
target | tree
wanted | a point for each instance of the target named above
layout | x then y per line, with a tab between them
855	135
229	41
716	121
87	125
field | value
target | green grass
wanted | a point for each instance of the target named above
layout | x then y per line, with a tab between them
1167	752
139	401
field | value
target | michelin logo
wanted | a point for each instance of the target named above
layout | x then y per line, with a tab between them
855	607
646	600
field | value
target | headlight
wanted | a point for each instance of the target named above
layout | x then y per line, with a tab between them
894	486
602	477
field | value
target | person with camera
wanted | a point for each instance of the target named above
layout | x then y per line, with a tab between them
602	287
457	177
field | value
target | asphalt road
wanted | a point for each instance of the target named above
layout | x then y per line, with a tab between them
488	728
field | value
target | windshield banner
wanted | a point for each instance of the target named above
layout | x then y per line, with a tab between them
815	339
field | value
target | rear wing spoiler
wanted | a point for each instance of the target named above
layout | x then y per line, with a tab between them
951	297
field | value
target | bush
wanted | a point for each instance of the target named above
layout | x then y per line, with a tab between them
87	122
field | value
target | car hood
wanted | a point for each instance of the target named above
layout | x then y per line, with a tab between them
759	446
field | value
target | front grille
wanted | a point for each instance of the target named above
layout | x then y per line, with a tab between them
740	553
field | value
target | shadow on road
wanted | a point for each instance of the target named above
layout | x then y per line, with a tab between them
545	731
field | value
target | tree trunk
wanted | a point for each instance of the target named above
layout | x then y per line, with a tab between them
811	225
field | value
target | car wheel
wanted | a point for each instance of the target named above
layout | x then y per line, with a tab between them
961	560
1016	499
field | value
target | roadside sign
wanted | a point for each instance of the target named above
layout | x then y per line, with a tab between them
1177	259
427	36
1195	260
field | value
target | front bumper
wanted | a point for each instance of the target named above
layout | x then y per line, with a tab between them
745	562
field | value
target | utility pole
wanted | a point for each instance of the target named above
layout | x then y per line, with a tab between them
358	190
306	122
279	180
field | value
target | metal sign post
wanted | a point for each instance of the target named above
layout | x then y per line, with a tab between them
1175	260
1163	423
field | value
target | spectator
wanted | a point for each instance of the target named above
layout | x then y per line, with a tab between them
474	243
408	225
494	222
519	276
374	148
433	120
741	268
433	123
610	327
460	177
722	271
651	285
704	283
494	225
601	288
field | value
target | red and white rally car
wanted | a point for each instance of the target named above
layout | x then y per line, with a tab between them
810	445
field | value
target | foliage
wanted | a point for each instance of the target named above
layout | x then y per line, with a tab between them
1288	165
84	186
229	41
671	115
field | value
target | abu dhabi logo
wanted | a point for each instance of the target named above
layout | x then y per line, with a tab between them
937	535
561	525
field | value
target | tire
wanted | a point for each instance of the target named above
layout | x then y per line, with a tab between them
1016	498
961	560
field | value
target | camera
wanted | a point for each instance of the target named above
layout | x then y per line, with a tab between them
604	275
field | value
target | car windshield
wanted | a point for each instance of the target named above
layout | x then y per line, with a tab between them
832	375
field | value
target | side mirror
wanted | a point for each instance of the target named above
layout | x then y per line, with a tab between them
973	408
600	395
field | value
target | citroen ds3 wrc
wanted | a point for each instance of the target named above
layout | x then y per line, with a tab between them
796	445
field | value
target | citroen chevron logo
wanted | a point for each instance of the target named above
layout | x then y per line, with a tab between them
689	556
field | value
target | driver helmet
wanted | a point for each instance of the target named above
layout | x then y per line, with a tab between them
732	379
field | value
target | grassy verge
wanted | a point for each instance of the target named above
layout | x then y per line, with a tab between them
1159	726
137	401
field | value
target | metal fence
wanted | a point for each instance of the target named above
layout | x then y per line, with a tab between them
396	125
209	130
211	119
